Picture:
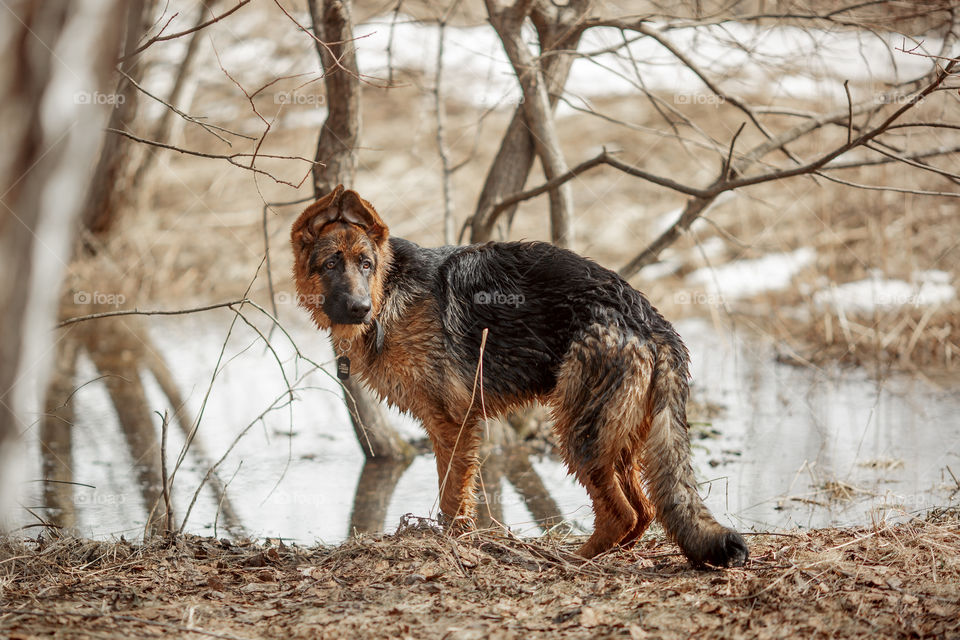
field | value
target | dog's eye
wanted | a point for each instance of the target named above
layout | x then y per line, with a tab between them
330	264
366	264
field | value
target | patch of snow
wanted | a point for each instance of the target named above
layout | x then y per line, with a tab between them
746	57
712	247
661	269
744	278
666	220
303	118
247	52
779	62
476	68
876	292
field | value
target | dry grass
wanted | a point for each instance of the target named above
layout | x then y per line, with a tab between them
883	581
907	338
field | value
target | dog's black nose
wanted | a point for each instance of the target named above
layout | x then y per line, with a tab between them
359	306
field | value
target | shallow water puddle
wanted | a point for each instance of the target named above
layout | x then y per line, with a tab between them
787	447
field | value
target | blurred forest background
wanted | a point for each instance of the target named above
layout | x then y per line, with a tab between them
786	169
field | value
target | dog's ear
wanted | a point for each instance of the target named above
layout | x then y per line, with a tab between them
307	227
338	206
356	210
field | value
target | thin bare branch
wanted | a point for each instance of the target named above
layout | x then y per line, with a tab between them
516	198
167	505
913	163
861	140
695	206
700	73
723	16
150	312
334	61
846	89
231	158
441	114
266	247
212	129
874	187
926	153
173	36
733	142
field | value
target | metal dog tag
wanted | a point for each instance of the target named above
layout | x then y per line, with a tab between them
343	367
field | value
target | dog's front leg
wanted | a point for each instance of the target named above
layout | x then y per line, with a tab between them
456	449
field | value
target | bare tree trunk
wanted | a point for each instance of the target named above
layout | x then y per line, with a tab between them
40	154
337	150
111	189
538	116
162	131
557	28
337	146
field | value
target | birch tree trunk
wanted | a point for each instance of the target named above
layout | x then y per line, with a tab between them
558	30
49	122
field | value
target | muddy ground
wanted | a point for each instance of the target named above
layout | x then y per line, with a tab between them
883	581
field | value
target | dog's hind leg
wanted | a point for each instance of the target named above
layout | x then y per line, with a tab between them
614	517
599	406
621	399
633	486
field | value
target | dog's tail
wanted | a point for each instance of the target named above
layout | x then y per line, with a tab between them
670	480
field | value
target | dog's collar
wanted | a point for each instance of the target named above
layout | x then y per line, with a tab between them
343	362
379	336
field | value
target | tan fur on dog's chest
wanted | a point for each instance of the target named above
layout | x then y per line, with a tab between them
407	372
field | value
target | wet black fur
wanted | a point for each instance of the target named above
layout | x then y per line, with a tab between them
562	294
536	299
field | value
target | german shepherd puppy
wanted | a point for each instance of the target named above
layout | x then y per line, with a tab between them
561	329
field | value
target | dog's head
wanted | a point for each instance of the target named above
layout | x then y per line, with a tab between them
340	255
